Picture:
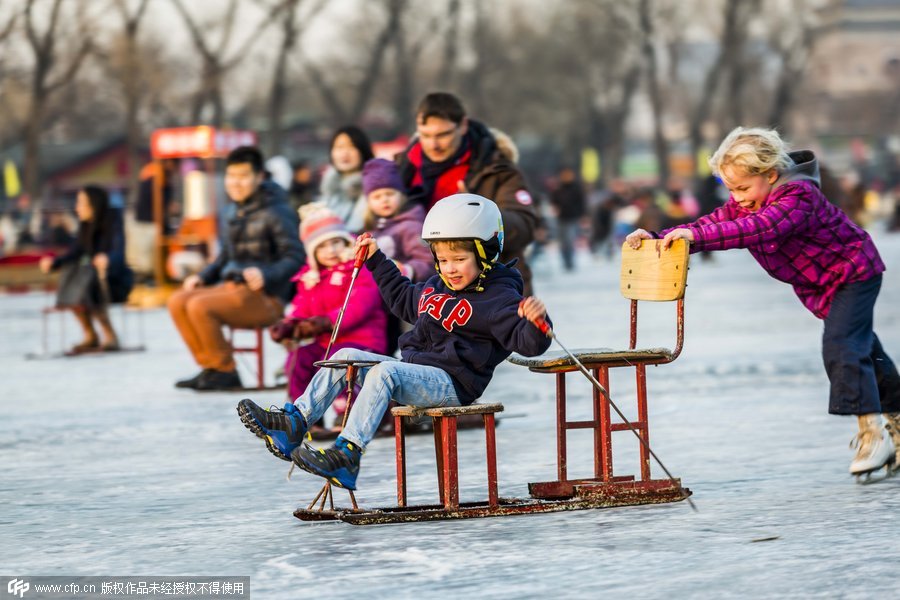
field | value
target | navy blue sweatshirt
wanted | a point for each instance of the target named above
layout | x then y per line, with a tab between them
466	333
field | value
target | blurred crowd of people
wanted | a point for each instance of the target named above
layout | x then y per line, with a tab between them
598	218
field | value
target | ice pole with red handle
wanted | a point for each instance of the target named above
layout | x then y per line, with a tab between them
545	328
358	261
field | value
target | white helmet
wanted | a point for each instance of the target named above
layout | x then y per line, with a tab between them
466	217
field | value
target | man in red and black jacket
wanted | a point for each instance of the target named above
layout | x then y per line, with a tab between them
452	153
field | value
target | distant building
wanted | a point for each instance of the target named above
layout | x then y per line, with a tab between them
854	74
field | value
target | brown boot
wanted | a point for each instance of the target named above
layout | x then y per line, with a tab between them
110	339
90	341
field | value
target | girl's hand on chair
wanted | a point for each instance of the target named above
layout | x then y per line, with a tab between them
368	241
682	233
634	238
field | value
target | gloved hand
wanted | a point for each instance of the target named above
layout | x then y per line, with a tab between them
311	327
283	330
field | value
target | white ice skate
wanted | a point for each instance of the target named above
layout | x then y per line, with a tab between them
874	450
892	425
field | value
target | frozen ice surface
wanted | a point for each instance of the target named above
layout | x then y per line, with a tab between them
108	470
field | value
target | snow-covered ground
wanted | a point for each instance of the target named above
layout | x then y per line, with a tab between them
108	470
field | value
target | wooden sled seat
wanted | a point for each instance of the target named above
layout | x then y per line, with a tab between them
551	362
450	411
445	425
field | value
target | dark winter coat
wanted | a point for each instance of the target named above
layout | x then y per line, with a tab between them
569	200
108	239
467	333
260	232
488	170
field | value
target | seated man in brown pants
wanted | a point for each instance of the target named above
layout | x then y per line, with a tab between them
248	283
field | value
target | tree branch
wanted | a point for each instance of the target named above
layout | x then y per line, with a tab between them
196	36
364	91
9	27
69	74
29	27
228	27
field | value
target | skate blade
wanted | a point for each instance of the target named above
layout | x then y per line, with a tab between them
866	478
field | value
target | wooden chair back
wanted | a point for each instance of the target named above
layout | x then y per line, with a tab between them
652	273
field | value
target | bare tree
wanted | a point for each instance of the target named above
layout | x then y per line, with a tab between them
792	37
734	34
46	79
371	71
605	75
660	145
215	65
474	79
6	31
408	48
451	45
130	75
291	32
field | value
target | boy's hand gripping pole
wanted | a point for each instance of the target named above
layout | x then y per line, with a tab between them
544	328
358	261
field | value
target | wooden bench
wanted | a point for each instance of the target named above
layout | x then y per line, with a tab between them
445	449
647	274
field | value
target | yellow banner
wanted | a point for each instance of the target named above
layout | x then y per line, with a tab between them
12	185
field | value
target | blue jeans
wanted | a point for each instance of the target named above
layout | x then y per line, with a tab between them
863	378
404	383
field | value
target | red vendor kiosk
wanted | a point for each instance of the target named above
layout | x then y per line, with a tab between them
198	224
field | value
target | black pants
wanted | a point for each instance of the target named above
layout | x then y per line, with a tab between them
863	378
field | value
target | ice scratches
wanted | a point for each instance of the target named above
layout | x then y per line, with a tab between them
414	561
734	369
285	565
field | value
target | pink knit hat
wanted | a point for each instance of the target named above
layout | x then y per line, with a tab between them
318	225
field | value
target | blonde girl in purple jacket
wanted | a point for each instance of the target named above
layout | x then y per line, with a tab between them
777	211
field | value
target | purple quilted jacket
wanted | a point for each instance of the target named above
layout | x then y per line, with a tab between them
796	235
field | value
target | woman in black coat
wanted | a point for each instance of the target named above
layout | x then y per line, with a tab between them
94	273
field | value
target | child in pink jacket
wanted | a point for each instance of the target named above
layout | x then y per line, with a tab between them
321	288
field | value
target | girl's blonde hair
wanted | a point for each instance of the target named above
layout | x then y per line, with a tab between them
755	150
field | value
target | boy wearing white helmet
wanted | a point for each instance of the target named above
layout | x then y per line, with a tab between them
467	319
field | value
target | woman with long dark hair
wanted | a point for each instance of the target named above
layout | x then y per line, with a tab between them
94	273
341	189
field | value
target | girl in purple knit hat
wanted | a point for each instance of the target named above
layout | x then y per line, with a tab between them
778	212
396	226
